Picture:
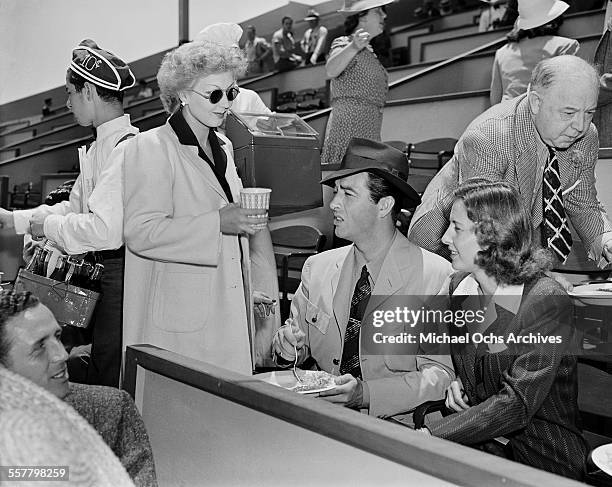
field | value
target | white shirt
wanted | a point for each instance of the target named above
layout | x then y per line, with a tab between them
83	223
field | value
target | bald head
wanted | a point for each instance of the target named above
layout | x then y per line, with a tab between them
564	69
562	99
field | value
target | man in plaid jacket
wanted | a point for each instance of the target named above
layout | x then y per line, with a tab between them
511	141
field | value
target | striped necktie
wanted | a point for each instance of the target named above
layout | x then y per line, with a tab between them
350	353
556	235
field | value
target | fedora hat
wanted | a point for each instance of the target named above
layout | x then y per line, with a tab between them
391	164
534	13
312	15
356	6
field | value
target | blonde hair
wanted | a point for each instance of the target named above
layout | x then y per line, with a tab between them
181	67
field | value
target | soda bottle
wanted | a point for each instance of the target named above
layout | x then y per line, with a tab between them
40	263
45	265
95	280
59	273
72	274
31	267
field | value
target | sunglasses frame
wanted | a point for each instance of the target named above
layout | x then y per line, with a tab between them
213	94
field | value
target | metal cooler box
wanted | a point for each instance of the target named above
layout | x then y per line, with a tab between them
278	151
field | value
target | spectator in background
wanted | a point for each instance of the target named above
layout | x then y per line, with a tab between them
445	7
315	37
144	91
510	15
284	47
603	60
359	82
46	108
491	15
427	10
533	40
258	51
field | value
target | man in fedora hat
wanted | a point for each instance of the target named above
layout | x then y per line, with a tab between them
92	220
542	142
334	296
313	42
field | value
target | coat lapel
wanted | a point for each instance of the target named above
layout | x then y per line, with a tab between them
341	289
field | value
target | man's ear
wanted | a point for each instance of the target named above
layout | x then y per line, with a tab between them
89	90
385	205
535	101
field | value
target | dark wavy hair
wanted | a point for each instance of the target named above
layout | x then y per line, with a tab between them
504	232
12	303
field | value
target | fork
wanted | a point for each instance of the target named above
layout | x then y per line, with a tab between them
297	377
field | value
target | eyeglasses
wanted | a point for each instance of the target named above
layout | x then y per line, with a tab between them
215	96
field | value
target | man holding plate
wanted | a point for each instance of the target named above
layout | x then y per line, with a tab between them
334	295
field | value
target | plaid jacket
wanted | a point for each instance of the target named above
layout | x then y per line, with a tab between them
502	144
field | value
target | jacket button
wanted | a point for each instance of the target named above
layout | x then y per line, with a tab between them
314	319
335	361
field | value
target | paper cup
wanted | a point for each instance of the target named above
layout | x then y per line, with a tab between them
256	199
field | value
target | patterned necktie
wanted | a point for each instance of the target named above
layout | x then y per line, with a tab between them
350	353
556	235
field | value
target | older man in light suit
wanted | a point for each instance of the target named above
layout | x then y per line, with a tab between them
516	141
343	287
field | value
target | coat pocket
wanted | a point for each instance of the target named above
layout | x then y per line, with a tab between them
316	317
181	301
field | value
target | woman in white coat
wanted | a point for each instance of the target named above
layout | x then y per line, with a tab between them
188	273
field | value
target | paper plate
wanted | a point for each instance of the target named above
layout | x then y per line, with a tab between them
286	380
602	457
599	294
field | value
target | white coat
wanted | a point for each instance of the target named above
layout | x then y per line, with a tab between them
185	281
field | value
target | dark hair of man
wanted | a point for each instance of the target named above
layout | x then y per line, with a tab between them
286	17
379	188
550	29
503	230
109	96
12	303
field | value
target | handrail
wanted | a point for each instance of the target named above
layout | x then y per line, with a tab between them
433	456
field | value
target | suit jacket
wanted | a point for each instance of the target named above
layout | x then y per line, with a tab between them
527	394
397	383
502	144
113	414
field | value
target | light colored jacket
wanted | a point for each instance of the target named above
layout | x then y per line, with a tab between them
187	285
397	383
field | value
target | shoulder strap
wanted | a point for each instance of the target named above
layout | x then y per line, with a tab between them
124	138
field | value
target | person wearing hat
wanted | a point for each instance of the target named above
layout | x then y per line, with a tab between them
313	42
535	38
359	82
544	143
333	298
92	219
491	15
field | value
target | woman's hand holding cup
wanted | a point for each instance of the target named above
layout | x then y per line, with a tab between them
236	220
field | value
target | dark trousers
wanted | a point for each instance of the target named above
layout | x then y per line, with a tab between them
106	344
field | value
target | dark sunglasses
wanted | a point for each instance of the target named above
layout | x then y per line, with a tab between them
215	96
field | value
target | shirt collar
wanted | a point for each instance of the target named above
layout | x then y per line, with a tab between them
112	126
183	130
374	265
